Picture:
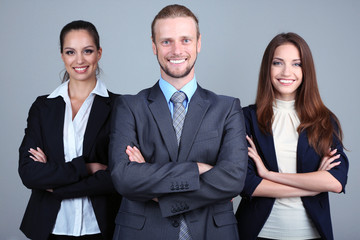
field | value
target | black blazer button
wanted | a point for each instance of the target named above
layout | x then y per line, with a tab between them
173	210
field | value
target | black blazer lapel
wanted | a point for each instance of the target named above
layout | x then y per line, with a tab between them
196	112
161	114
54	127
99	113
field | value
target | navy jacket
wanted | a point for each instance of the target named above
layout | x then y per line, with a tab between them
68	180
254	211
213	133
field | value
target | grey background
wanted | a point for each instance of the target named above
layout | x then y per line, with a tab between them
234	36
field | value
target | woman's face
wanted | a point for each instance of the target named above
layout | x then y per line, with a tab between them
286	72
80	55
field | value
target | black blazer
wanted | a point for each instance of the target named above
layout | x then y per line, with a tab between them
213	133
254	211
68	180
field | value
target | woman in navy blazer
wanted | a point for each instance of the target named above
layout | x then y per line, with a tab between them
64	153
290	128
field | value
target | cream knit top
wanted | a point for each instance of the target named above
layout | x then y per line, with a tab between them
288	218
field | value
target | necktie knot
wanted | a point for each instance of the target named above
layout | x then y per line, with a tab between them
178	97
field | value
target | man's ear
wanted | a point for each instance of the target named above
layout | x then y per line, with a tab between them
153	46
199	44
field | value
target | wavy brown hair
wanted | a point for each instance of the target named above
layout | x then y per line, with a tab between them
319	122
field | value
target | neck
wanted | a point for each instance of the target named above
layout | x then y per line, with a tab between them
178	83
81	89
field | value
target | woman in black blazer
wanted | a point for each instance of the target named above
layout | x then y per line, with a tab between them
64	153
295	150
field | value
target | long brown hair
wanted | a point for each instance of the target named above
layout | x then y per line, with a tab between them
319	122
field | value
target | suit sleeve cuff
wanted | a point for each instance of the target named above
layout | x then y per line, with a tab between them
80	166
169	203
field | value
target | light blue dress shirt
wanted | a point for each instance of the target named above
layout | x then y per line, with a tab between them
168	90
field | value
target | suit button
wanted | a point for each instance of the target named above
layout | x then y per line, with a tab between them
177	187
186	186
175	223
173	210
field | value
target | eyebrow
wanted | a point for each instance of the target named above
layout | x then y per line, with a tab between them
297	59
171	38
70	48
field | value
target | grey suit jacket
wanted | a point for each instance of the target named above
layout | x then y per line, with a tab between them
213	133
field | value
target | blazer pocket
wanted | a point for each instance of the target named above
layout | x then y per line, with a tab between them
206	136
130	220
224	218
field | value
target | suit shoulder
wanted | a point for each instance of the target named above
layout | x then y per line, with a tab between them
41	100
250	114
250	109
113	95
218	97
133	99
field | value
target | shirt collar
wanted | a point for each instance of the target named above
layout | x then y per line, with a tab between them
62	90
168	89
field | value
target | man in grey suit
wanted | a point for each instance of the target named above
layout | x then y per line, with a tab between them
178	153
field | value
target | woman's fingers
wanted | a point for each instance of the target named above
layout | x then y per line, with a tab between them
38	155
134	154
327	162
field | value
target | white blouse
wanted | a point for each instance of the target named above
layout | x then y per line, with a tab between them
76	216
288	218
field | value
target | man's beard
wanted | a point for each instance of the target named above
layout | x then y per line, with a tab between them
173	75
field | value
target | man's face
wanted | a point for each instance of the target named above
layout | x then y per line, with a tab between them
176	47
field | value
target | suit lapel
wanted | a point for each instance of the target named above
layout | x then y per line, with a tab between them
161	114
54	126
196	112
303	144
98	115
265	143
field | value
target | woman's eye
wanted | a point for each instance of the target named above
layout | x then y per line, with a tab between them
275	63
297	64
88	51
69	52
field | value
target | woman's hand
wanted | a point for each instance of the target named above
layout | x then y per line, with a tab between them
261	169
38	155
134	154
327	162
